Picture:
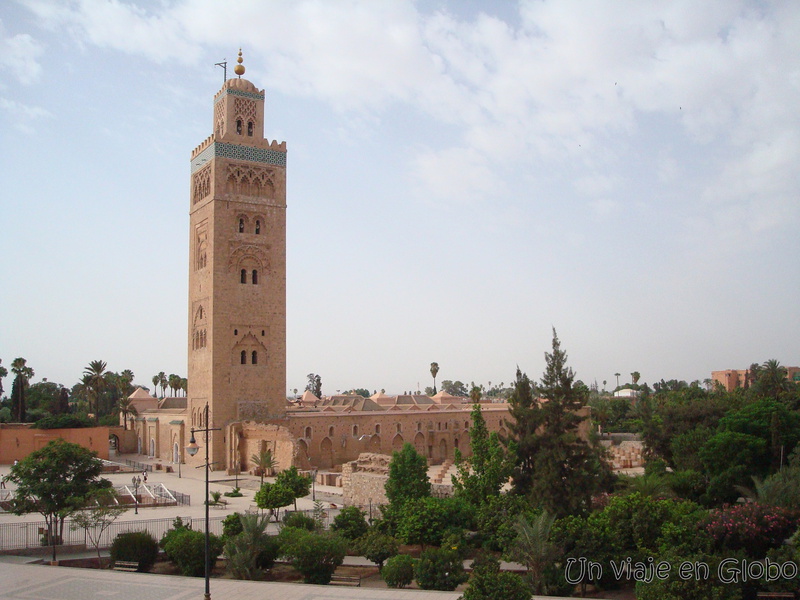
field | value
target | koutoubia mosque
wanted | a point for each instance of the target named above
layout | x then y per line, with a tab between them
237	327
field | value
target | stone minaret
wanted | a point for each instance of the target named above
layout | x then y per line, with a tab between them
237	270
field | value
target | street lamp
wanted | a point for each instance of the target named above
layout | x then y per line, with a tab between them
192	449
136	481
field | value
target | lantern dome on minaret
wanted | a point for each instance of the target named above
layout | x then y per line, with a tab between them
239	68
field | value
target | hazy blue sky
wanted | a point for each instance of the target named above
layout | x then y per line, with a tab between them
461	178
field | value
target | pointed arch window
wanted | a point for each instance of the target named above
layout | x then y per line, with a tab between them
250	128
255	276
243	276
241	225
258	226
243	357
239	126
254	357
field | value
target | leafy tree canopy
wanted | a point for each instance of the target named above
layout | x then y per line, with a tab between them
408	476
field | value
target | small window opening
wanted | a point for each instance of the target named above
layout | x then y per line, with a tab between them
254	357
243	357
258	226
241	225
239	126
235	332
330	431
243	276
262	333
308	433
255	277
377	429
250	128
355	430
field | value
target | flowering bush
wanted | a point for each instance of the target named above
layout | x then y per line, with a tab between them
752	527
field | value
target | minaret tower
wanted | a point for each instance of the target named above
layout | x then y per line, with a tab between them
237	270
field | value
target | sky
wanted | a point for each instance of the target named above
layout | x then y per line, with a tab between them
462	178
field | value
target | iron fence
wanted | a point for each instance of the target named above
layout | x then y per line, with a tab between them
31	535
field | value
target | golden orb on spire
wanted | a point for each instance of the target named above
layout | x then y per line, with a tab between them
239	69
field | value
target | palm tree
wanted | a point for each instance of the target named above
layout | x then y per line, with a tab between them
265	462
434	372
773	379
3	373
23	374
156	380
95	382
185	386
532	548
162	380
126	408
174	382
635	376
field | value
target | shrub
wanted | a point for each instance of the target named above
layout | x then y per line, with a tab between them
751	527
440	569
231	525
251	552
314	555
377	546
186	549
63	422
177	527
234	493
350	523
299	520
398	572
487	584
138	546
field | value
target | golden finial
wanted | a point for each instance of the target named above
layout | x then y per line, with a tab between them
239	69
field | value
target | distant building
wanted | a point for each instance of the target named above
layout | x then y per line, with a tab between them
732	379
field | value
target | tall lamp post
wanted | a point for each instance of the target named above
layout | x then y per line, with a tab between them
192	449
136	481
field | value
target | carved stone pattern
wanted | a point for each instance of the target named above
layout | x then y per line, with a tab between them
244	109
201	184
246	251
246	180
219	118
201	245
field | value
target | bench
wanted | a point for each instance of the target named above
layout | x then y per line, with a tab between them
346	580
126	565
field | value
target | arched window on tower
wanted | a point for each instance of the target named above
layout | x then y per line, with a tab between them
250	128
258	226
255	276
241	225
254	357
239	126
244	357
243	276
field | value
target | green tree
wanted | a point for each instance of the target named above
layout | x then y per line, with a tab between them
248	551
19	388
455	388
314	384
186	549
440	569
56	481
398	572
291	479
163	381
556	466
772	380
481	476
377	546
3	375
95	519
265	463
273	496
408	476
434	373
126	409
426	520
95	383
156	381
350	523
314	555
533	548
488	582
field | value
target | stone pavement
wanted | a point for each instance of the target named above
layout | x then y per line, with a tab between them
39	582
